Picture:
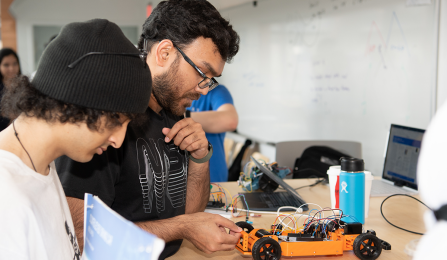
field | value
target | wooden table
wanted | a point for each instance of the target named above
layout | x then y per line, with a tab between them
401	211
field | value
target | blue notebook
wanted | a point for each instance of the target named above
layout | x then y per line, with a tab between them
107	235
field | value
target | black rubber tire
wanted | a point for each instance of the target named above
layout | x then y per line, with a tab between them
262	232
367	246
271	250
371	232
244	225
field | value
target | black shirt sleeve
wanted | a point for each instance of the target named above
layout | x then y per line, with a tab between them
97	177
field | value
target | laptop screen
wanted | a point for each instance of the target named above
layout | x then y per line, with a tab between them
404	146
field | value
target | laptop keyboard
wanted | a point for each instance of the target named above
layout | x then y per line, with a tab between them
380	188
279	199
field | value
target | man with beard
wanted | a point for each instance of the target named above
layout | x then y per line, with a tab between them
159	178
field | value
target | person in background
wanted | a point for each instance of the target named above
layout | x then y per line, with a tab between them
73	107
159	178
432	179
9	69
217	115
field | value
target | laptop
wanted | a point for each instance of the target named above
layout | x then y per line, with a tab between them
401	160
263	201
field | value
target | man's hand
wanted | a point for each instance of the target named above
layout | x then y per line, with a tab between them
207	232
188	135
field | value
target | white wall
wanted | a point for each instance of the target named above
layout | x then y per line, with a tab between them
60	12
442	55
133	12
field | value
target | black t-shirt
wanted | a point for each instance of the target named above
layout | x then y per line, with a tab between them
4	122
143	180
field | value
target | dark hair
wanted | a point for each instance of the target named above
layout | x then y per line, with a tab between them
21	97
6	52
183	21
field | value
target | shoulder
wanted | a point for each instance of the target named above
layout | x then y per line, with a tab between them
220	96
11	187
221	89
12	171
15	205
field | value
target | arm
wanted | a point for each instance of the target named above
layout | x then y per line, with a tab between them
224	119
206	231
77	214
198	187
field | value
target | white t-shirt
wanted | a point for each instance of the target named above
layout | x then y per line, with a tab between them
35	221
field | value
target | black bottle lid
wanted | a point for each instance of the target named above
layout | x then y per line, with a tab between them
349	164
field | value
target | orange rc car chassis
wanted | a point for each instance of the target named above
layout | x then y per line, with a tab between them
330	240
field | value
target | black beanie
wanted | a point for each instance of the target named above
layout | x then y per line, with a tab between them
116	83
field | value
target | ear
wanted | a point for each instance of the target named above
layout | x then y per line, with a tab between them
164	53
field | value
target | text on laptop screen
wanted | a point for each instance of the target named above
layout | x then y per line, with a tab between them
404	146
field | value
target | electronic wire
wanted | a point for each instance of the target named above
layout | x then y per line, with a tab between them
294	220
381	212
296	209
221	190
234	204
311	185
309	220
252	211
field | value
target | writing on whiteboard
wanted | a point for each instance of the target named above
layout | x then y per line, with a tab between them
252	79
329	76
376	41
331	89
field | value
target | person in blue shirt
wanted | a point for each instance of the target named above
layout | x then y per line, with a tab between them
217	115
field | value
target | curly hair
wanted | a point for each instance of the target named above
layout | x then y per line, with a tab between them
22	98
183	21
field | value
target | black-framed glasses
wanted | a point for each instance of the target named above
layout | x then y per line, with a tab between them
211	83
142	56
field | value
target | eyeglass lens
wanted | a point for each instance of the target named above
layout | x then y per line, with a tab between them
207	82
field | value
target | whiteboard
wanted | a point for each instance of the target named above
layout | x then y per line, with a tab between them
333	70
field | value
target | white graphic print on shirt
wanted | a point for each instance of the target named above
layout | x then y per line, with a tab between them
74	242
162	172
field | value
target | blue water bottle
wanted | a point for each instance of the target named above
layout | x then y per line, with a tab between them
352	189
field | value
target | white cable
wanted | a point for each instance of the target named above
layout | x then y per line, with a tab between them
284	224
296	223
252	211
297	210
290	217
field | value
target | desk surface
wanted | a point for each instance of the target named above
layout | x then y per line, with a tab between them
402	211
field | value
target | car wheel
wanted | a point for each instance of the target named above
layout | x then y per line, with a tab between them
266	248
367	246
